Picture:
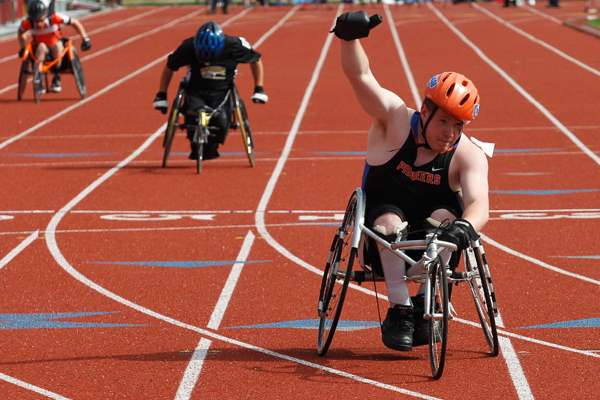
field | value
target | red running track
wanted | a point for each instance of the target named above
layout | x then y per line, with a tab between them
71	215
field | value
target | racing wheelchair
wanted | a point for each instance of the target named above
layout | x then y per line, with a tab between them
203	130
70	64
430	270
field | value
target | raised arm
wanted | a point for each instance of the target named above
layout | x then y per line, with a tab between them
374	99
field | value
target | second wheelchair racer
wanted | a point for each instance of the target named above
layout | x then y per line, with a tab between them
44	27
212	58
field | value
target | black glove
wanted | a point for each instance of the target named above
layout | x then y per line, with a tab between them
21	52
259	95
160	102
460	232
86	44
355	25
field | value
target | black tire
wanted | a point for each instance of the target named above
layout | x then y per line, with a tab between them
480	284
332	295
37	84
438	326
24	73
241	115
172	125
78	74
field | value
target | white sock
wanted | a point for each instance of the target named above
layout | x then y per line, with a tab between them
394	271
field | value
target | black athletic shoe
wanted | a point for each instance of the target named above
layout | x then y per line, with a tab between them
398	327
194	151
210	152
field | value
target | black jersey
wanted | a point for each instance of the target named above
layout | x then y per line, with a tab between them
214	75
417	191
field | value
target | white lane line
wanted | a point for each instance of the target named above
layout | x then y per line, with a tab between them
121	44
535	11
516	86
194	368
107	88
30	387
517	375
22	246
52	244
528	339
536	40
101	29
540	263
407	70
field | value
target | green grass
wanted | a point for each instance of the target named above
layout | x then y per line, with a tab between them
595	23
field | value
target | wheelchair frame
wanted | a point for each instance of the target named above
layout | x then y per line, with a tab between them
429	270
70	63
239	120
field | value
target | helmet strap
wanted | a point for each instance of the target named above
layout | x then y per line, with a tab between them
424	125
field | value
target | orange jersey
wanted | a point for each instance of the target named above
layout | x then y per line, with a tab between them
50	33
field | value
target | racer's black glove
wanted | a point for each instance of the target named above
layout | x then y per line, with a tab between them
259	95
460	232
21	52
160	102
355	25
86	44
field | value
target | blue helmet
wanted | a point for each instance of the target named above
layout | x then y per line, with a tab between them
209	41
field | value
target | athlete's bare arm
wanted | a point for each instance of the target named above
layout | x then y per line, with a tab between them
79	28
165	79
374	99
258	74
472	170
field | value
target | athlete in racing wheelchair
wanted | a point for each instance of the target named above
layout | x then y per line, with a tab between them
212	58
419	165
46	38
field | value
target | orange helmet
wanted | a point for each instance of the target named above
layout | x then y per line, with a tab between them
455	94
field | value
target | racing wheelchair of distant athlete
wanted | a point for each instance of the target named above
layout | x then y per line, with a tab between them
430	270
204	129
39	76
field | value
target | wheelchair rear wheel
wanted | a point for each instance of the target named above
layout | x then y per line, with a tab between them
78	74
480	285
24	72
438	324
172	125
332	295
241	121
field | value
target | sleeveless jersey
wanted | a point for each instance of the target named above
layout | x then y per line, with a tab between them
417	191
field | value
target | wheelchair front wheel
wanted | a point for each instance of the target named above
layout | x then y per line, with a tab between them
37	83
438	323
332	295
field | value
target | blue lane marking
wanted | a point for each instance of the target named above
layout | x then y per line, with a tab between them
179	264
62	155
52	320
341	153
578	323
529	150
343	325
580	257
544	192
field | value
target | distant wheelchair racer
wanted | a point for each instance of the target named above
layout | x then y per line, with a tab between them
212	58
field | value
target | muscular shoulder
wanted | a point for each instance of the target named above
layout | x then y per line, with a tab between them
58	19
468	161
386	137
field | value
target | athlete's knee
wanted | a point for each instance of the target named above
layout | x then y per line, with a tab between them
390	227
443	215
